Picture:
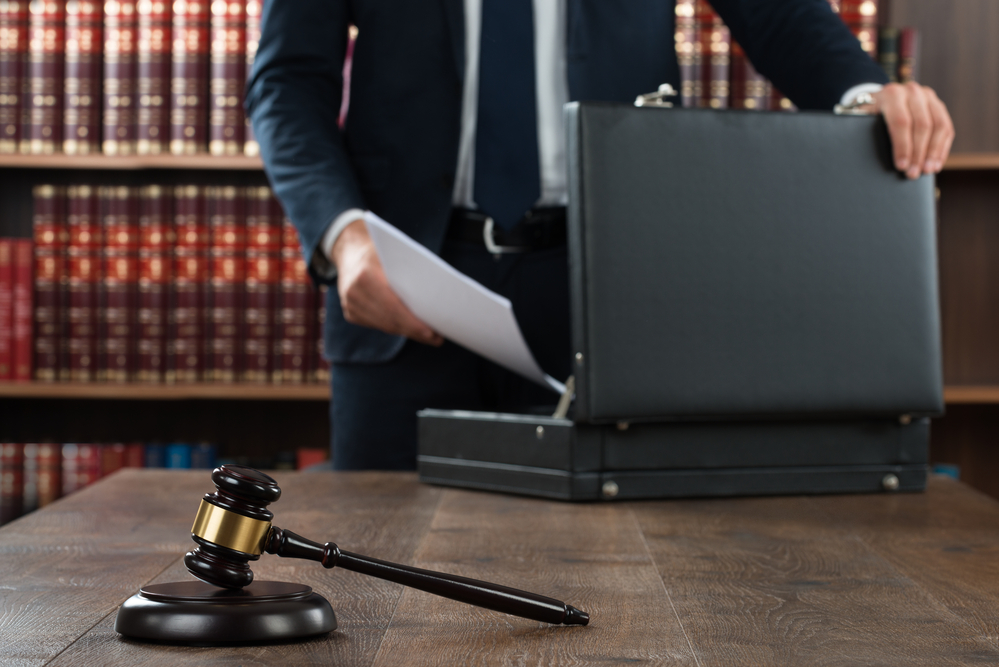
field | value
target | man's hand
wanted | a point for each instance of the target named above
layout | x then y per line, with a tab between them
365	294
920	127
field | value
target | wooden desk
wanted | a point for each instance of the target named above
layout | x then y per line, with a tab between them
887	579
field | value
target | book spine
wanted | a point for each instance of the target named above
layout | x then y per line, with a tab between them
203	456
153	76
120	270
13	57
41	117
861	17
11	481
135	455
112	458
155	248
186	346
49	477
228	277
6	309
154	455
688	53
120	64
715	40
178	456
24	290
82	102
189	78
81	466
83	269
227	122
50	276
908	55
778	102
888	52
29	501
749	90
263	280
253	10
295	315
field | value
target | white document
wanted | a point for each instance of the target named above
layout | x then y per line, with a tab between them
454	305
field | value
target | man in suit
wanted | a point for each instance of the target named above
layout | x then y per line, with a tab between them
454	135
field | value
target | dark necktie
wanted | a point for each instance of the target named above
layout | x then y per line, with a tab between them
507	175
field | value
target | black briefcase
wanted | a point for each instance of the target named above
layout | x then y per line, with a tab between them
754	311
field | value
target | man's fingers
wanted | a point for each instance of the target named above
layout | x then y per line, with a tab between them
892	105
943	133
922	128
369	301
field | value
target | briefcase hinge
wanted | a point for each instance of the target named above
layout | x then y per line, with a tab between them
658	98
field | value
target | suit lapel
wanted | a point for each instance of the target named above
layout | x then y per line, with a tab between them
454	13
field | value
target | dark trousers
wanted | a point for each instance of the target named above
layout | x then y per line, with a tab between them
373	411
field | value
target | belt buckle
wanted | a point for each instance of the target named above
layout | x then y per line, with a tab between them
491	245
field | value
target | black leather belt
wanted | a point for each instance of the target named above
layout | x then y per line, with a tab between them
540	228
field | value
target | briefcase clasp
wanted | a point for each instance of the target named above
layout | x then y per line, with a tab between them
658	98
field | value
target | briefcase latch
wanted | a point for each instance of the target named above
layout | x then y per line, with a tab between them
658	98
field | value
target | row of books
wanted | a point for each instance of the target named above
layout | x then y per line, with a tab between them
715	72
161	284
36	474
126	76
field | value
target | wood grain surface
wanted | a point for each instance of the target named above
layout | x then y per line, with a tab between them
836	580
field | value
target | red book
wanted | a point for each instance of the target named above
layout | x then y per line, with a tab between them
715	55
155	262
688	53
49	475
187	321
41	116
13	56
121	44
296	317
749	89
153	72
226	119
112	458
50	248
861	17
24	289
263	281
135	455
6	309
189	78
228	277
82	101
253	9
83	271
307	456
11	481
908	55
29	501
120	282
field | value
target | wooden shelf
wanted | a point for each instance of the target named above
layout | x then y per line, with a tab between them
159	392
971	394
972	161
953	394
132	163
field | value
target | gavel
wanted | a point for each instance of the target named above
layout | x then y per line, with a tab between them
233	527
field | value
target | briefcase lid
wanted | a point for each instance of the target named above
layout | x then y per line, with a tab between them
747	264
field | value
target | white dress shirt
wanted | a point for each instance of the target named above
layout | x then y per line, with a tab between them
552	93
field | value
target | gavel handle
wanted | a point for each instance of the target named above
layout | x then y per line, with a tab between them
472	591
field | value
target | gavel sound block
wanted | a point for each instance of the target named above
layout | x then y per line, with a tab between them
233	527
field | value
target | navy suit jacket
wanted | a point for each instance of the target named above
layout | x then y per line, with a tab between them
398	152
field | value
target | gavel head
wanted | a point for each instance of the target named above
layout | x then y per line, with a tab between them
231	526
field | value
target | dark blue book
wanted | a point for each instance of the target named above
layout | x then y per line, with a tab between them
155	455
203	456
178	455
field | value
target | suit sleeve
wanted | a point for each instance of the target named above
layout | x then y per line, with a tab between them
802	46
293	99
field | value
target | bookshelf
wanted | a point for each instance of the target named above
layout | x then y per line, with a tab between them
132	163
